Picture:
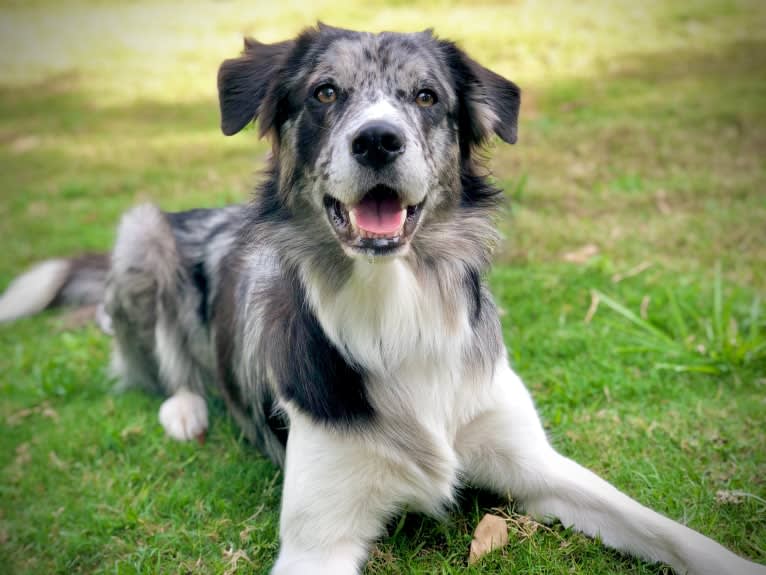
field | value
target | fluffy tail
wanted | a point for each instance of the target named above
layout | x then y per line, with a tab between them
78	281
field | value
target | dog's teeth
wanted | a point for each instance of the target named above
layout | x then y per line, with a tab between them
372	235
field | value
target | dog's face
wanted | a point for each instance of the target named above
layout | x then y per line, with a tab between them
371	131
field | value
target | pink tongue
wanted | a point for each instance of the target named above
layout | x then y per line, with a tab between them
379	216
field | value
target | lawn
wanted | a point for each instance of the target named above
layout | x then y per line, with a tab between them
631	278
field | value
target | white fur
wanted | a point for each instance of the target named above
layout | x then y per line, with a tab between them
381	109
382	316
31	292
104	320
184	416
439	423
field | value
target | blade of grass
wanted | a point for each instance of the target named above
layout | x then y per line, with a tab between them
675	313
755	316
635	319
718	330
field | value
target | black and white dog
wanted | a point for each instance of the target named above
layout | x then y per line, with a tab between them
346	304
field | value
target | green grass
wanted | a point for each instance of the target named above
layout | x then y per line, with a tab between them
642	133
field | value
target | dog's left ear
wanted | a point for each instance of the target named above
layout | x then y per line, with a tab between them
244	82
488	102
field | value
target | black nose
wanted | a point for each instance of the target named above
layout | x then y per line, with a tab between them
377	144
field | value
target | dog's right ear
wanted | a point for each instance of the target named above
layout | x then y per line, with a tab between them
244	82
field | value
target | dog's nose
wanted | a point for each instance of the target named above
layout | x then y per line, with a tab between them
377	144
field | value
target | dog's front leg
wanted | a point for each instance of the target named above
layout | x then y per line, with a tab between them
336	497
505	449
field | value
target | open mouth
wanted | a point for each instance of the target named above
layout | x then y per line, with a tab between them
379	224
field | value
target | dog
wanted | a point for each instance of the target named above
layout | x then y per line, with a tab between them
342	313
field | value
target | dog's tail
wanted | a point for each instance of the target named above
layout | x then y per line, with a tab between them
79	281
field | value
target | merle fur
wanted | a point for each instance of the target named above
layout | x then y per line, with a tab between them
218	295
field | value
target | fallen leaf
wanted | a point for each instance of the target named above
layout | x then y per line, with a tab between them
49	412
55	461
729	497
16	418
581	255
22	455
78	318
233	557
491	533
131	431
661	200
24	144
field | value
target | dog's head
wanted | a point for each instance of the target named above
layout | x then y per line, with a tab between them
371	130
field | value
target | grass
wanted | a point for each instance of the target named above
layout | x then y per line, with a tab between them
642	136
708	341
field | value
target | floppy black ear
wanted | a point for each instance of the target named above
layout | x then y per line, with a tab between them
489	103
244	82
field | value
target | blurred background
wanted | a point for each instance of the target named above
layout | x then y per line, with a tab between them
630	277
641	128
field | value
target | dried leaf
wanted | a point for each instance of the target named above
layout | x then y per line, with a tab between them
661	200
233	557
581	255
78	318
131	431
491	533
726	497
55	461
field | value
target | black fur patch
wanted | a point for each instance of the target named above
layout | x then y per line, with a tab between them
243	82
200	281
309	370
478	86
473	284
478	192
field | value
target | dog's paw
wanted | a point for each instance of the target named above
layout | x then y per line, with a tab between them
104	320
184	416
339	560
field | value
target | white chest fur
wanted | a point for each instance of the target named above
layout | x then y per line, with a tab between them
385	317
409	334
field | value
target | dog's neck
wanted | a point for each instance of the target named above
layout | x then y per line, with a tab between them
388	312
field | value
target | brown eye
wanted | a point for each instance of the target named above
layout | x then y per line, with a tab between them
425	98
326	93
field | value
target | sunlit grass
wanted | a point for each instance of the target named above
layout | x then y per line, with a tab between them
715	339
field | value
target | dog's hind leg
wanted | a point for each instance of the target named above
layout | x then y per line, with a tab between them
505	449
159	343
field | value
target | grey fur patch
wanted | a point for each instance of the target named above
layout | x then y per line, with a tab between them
153	295
86	281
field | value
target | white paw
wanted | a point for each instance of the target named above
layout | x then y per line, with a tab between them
104	320
184	416
338	560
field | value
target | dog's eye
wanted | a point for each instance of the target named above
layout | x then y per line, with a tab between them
425	98
326	93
